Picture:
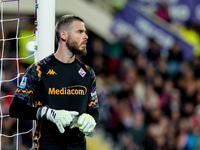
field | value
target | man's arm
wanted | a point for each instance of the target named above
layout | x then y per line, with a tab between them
93	103
20	109
94	113
87	121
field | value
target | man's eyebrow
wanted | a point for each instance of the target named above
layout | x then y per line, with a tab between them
82	30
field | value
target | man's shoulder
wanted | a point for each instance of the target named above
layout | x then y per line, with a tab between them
47	59
39	65
44	61
83	65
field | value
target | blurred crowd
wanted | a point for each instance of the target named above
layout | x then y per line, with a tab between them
148	100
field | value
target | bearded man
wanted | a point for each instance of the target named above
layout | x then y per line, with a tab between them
63	91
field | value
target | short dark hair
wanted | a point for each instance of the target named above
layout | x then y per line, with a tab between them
65	23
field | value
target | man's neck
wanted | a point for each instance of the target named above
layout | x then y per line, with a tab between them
64	55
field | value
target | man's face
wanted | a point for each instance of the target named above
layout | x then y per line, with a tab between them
77	38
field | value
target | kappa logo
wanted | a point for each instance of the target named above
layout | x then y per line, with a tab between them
51	72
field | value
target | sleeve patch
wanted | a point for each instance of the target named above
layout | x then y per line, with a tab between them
23	83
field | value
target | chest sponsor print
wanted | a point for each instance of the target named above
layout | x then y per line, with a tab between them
71	90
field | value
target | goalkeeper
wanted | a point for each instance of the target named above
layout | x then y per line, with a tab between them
62	90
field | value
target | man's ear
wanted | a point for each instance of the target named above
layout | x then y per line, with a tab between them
63	35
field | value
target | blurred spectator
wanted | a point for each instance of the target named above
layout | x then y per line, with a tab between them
162	11
175	53
183	130
158	83
113	124
154	51
138	130
196	66
152	102
130	51
174	58
165	94
188	86
149	73
128	142
163	68
193	140
174	103
197	98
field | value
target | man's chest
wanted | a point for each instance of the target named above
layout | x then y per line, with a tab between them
65	81
64	87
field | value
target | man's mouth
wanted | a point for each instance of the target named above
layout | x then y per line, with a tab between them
84	43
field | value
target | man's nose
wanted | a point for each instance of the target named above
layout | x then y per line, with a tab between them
85	36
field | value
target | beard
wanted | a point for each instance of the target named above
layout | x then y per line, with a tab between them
74	47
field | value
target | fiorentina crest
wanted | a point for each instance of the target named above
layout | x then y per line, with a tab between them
82	72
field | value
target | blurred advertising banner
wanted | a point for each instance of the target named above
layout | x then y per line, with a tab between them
130	21
180	10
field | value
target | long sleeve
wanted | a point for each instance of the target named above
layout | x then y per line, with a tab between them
94	113
19	109
93	104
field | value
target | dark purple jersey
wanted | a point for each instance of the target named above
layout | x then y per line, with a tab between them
60	86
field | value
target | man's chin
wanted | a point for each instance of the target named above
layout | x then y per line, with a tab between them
81	52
